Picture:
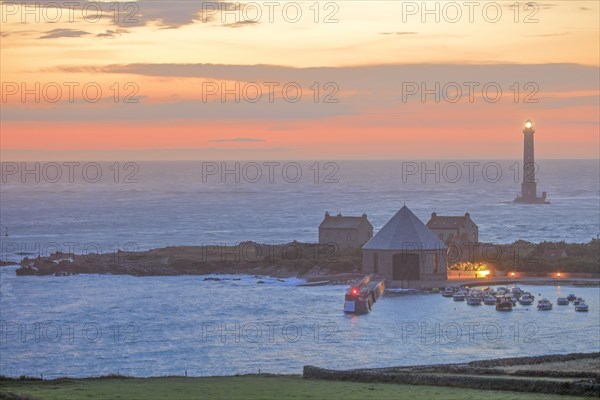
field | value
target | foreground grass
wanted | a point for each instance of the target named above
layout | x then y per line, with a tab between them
245	388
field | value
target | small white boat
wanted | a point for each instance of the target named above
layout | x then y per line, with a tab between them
544	305
448	292
504	304
562	301
489	300
459	296
577	301
526	299
474	301
581	307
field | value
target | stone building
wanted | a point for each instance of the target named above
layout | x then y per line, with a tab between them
406	253
454	229
346	232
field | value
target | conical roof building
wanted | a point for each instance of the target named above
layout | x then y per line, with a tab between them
402	230
406	253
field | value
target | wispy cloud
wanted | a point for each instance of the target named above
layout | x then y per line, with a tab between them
549	34
399	33
61	33
112	33
241	24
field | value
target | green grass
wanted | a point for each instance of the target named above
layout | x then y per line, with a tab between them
245	388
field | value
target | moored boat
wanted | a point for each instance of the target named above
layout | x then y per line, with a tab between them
578	300
502	290
581	307
571	297
489	300
504	304
448	292
562	301
459	296
474	301
544	305
526	299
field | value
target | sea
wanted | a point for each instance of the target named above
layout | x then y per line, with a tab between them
89	325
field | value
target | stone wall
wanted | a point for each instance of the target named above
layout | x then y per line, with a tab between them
473	375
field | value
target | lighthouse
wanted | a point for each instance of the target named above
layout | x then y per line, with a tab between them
529	185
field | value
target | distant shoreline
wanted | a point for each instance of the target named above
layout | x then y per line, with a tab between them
308	260
347	278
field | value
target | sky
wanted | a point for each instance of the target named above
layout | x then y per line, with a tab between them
181	80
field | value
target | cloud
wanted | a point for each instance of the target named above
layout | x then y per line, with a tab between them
19	33
60	33
384	78
112	33
163	13
241	24
359	90
236	140
549	34
399	33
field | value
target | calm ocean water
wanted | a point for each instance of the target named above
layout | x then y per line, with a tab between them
89	324
173	204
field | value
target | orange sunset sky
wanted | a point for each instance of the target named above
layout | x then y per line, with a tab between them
354	73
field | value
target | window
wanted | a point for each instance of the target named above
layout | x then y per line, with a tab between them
435	263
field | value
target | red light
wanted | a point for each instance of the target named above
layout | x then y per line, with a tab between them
355	291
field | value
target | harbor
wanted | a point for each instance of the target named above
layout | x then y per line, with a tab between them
504	299
403	327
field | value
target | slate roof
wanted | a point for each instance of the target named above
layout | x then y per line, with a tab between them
341	222
440	221
404	231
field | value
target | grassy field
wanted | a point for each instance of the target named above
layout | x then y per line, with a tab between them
244	388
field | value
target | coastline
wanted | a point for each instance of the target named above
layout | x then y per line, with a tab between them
311	261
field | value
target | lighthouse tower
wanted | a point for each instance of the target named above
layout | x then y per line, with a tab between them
529	185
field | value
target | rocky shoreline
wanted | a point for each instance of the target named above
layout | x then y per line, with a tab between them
280	261
294	259
575	374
